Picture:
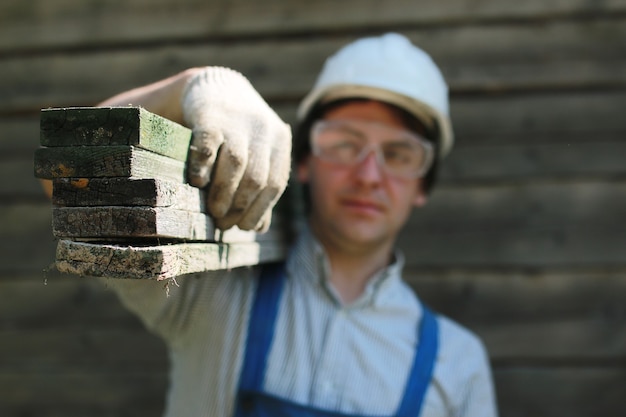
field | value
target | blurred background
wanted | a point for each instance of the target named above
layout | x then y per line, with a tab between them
524	240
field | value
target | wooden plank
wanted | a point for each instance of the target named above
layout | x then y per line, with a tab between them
26	242
64	23
161	262
573	54
19	134
37	301
574	205
490	296
102	393
576	392
151	192
533	224
17	181
106	161
110	126
126	223
565	117
476	164
76	349
571	342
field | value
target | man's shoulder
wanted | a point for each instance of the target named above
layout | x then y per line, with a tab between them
456	340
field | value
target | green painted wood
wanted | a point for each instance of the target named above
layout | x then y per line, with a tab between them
106	161
110	126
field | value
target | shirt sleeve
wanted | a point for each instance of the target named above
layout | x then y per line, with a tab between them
464	374
169	308
478	398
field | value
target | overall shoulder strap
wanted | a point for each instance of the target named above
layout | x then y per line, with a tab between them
423	366
261	326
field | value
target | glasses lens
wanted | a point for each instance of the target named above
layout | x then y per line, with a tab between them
401	152
404	157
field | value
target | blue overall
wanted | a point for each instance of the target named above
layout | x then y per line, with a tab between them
252	401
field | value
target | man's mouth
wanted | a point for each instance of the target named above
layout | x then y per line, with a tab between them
362	205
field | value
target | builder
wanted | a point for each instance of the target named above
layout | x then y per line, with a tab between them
334	330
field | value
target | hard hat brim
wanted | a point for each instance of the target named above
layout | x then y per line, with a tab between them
424	113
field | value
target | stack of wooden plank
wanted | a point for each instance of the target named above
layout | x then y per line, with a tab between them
121	205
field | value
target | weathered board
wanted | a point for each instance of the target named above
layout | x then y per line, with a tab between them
149	21
106	161
162	261
128	223
119	180
110	126
557	55
151	192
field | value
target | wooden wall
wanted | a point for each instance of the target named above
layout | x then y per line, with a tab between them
524	240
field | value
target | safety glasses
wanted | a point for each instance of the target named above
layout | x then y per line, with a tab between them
401	153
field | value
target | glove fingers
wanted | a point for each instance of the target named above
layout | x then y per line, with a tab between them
202	154
230	166
278	176
240	203
263	225
253	182
264	203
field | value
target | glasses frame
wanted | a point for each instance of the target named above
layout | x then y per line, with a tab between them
318	126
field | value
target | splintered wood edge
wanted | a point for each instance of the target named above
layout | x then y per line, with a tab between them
161	262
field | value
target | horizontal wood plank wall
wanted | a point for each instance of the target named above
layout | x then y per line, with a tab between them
523	241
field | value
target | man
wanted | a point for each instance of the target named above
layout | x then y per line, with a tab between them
334	331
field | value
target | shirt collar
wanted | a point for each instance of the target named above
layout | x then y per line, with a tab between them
308	260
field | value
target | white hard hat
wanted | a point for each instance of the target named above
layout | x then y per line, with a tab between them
388	68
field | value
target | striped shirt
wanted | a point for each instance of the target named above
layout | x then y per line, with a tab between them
348	358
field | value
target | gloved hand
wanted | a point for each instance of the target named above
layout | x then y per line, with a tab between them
239	145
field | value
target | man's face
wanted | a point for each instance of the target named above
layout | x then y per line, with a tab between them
361	206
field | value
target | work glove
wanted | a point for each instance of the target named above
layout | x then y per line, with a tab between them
240	148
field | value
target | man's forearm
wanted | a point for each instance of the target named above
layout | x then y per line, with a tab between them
162	97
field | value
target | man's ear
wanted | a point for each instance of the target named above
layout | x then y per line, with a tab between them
421	198
303	171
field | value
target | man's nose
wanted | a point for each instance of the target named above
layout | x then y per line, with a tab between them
369	169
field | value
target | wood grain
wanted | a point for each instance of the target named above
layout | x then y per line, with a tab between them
553	56
127	223
151	192
111	126
163	261
106	161
148	21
